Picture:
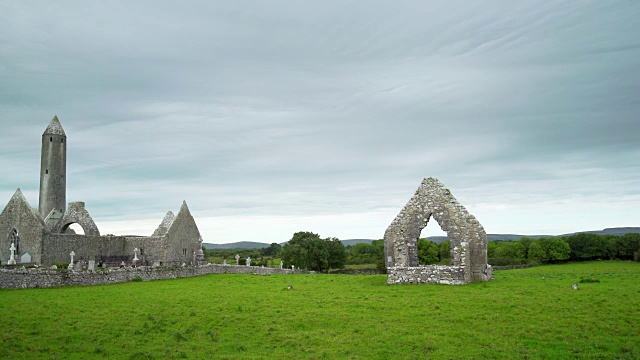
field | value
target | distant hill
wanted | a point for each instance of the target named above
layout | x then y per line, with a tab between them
352	242
437	239
237	245
619	231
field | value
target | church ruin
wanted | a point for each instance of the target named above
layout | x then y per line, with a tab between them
468	240
42	236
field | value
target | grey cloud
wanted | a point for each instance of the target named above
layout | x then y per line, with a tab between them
316	108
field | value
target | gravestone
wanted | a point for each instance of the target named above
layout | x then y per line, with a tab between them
72	254
237	259
25	258
53	267
12	257
92	265
248	260
281	263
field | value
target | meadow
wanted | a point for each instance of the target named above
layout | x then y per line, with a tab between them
517	315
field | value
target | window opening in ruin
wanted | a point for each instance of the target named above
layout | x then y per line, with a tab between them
430	253
61	140
141	251
14	238
51	139
184	252
46	171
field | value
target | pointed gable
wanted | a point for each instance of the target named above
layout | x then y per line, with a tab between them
182	240
54	128
18	206
184	223
165	224
20	218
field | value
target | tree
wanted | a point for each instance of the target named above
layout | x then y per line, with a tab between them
510	249
272	250
525	242
444	250
548	250
337	254
629	248
308	251
585	246
427	252
535	253
491	249
556	248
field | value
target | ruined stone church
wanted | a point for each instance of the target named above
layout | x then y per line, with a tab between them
42	236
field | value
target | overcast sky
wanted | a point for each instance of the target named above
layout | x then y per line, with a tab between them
271	117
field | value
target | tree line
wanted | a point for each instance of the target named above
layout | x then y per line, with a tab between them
578	247
307	250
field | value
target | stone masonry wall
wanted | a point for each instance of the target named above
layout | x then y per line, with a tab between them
44	278
468	238
19	215
429	274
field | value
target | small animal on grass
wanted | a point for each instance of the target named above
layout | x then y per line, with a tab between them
289	287
575	286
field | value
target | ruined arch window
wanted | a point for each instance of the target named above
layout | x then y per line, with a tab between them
184	252
14	238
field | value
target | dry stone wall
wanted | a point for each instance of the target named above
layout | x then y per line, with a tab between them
44	278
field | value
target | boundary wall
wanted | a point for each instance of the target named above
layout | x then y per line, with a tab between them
45	278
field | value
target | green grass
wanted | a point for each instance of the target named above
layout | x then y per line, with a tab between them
517	316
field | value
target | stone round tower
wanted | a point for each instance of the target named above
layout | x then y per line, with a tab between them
53	169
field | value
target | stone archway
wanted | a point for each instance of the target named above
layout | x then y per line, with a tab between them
77	214
468	239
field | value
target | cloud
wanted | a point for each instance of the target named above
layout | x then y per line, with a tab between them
290	113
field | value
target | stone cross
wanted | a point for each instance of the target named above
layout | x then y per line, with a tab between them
281	263
72	254
293	268
225	262
248	260
135	255
237	259
12	257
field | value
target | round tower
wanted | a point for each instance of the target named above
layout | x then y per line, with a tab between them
53	169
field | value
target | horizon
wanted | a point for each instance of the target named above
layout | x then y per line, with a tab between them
275	118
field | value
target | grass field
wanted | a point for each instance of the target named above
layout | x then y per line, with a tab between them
517	316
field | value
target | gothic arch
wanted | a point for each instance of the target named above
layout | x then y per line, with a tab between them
14	238
77	214
468	238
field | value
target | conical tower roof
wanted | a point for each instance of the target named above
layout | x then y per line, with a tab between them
54	128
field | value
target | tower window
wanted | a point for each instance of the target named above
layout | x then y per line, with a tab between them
46	171
50	138
61	140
